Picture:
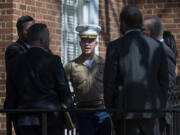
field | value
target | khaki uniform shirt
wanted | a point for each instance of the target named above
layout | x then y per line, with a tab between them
86	81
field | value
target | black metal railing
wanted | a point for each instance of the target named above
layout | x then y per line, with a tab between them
175	111
174	128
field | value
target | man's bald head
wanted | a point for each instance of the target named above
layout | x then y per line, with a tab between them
153	27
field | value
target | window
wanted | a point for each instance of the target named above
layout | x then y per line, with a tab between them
69	47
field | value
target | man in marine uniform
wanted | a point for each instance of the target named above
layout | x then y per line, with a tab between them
86	75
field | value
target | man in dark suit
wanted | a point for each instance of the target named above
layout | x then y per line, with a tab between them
135	77
37	81
153	27
21	45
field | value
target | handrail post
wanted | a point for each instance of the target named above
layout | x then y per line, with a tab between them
8	125
123	124
44	123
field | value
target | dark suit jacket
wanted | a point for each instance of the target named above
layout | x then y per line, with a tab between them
171	66
171	58
135	75
36	80
14	50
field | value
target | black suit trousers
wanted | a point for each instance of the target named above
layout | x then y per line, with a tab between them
37	130
149	126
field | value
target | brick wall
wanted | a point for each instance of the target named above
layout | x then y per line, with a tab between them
109	11
167	10
5	39
44	11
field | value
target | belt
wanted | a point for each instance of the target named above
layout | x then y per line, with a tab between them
90	103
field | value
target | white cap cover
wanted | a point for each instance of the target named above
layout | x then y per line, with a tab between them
88	30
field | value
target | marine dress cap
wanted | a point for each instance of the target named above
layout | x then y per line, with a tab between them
88	30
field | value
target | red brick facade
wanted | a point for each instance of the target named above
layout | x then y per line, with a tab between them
167	10
109	11
6	35
49	12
